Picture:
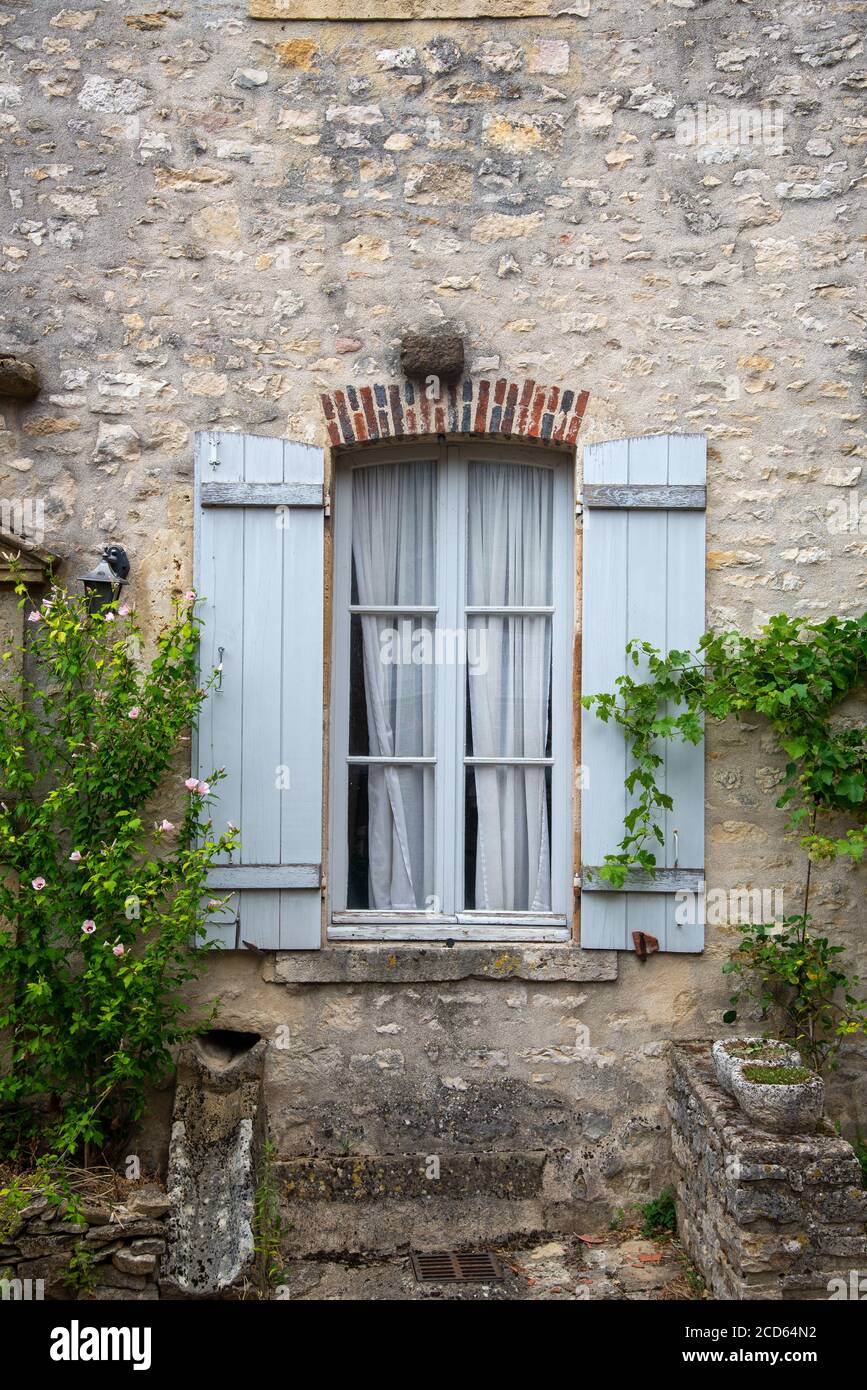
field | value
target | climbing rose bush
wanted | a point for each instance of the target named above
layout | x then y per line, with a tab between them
102	896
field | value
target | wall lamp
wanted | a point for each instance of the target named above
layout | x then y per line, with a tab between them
104	583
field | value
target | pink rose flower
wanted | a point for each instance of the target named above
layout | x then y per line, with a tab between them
75	857
190	596
109	617
88	927
213	904
117	950
166	825
35	616
39	883
124	610
134	712
191	784
203	788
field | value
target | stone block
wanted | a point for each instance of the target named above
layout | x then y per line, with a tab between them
134	1262
19	380
431	354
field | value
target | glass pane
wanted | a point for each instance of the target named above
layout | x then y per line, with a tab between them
509	687
507	859
394	534
391	686
391	822
510	518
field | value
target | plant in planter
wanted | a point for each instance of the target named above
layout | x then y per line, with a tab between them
788	969
102	897
795	674
730	1054
783	1099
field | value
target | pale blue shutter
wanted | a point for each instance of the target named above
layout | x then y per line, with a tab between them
643	577
259	567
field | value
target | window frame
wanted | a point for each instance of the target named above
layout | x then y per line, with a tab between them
452	459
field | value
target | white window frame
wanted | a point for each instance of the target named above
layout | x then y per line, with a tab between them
454	923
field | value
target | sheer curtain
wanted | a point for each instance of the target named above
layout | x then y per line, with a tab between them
510	520
394	556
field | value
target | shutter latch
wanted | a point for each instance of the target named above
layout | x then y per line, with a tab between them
645	944
214	457
220	651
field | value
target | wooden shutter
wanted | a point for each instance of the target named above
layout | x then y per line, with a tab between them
259	569
644	577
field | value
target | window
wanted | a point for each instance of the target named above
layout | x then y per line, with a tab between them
451	724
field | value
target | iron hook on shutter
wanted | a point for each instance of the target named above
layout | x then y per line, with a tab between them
674	865
214	457
220	651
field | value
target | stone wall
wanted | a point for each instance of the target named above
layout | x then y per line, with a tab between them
118	1245
762	1215
212	221
535	1077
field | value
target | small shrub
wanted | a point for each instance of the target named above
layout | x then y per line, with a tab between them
860	1147
80	1276
267	1221
788	970
659	1216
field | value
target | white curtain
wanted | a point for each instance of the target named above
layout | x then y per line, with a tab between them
510	512
394	551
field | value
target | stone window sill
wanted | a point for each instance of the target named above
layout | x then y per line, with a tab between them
353	11
402	962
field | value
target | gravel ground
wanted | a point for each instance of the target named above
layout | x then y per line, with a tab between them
625	1266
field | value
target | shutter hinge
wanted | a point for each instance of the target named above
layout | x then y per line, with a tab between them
576	883
327	502
579	507
213	454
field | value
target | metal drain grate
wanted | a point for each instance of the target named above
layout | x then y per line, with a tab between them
455	1267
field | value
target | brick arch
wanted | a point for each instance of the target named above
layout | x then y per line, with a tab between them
506	408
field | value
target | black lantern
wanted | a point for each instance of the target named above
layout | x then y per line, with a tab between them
103	584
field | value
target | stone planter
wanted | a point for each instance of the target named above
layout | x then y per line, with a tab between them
726	1062
782	1106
